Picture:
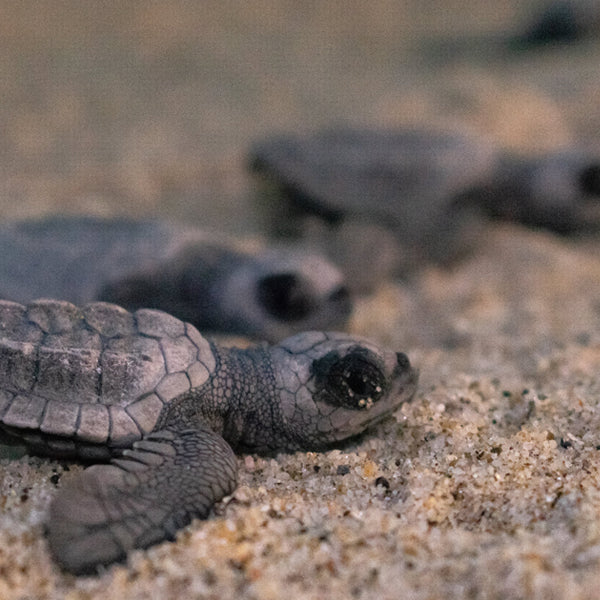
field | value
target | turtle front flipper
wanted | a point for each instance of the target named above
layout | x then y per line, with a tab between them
162	483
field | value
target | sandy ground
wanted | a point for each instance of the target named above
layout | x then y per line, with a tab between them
487	485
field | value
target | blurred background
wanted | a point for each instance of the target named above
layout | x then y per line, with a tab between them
149	107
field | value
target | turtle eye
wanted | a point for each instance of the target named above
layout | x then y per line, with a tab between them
354	381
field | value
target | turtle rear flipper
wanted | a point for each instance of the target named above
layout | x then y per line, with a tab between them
166	480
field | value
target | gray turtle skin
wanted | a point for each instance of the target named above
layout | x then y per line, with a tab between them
216	285
382	202
167	408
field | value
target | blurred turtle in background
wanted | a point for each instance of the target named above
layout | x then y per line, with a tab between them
381	202
217	285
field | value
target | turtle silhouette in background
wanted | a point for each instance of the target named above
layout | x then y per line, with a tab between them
381	202
264	293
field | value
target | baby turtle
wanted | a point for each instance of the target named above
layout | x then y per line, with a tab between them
168	406
216	285
381	201
392	194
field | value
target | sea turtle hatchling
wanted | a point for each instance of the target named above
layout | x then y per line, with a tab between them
381	201
147	391
266	293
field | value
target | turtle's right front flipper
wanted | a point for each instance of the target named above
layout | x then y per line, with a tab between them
166	480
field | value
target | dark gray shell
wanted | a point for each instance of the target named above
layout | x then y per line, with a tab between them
375	173
72	258
217	285
413	179
95	375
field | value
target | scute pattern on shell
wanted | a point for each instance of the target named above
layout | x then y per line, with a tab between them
98	374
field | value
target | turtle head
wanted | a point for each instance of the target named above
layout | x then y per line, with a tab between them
284	291
335	385
563	192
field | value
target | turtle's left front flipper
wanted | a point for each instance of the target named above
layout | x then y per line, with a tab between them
166	480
